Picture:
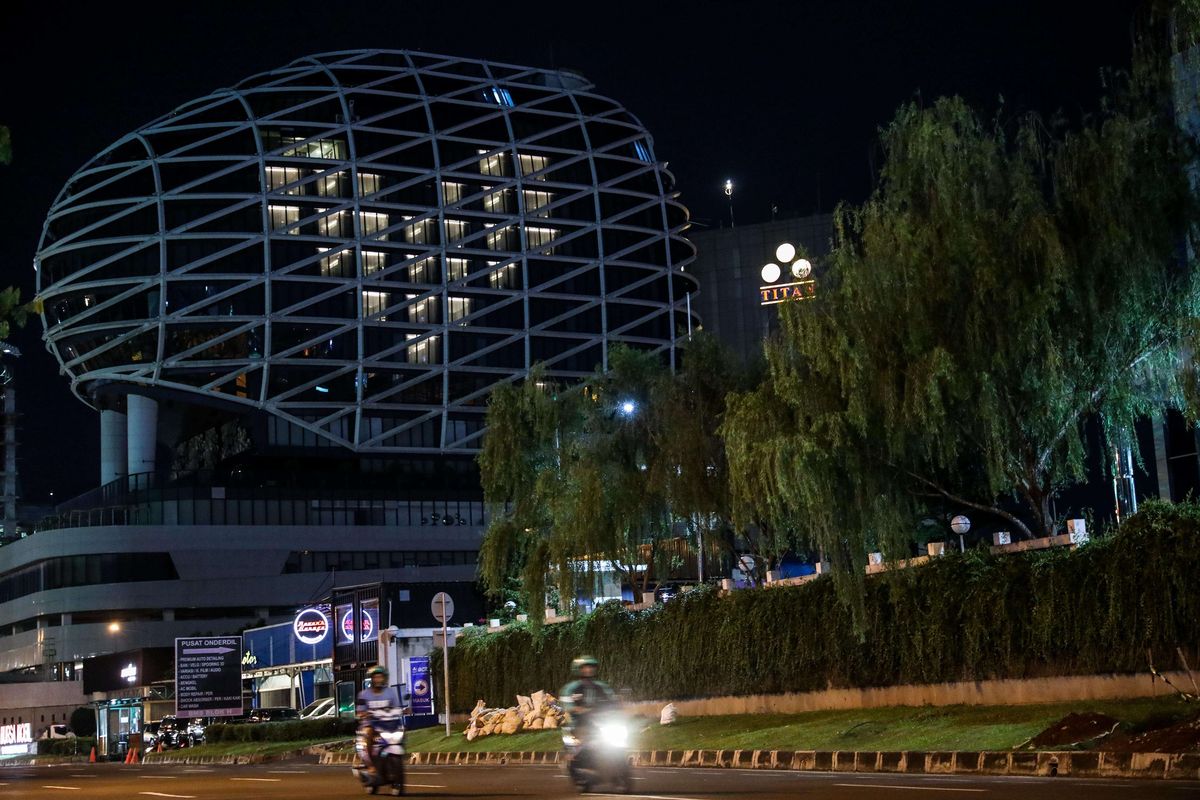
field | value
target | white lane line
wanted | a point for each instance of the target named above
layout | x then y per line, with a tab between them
159	777
164	794
436	773
653	796
260	780
72	788
424	785
291	771
908	788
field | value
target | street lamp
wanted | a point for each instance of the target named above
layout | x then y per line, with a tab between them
960	525
628	408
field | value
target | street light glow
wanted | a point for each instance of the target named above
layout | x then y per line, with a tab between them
628	407
114	627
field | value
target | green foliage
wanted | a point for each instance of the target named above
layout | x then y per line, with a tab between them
1099	609
292	731
83	721
66	747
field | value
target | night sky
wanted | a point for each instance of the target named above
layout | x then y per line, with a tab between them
784	98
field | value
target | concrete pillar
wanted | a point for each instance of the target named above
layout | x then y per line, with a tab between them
113	456
142	433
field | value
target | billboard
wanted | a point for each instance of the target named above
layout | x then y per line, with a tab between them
419	684
208	676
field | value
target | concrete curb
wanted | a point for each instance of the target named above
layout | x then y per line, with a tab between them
1078	764
158	758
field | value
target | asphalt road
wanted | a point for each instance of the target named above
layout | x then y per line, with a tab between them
291	780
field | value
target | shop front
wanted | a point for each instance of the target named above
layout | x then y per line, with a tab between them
290	664
128	690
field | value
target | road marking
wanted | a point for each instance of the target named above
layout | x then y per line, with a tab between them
424	785
909	788
260	780
159	777
653	796
436	773
290	771
72	788
164	794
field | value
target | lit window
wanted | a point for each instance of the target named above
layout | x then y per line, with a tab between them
423	352
280	177
503	278
456	268
372	222
331	266
498	95
531	164
535	199
421	271
419	232
331	185
496	202
373	261
537	237
456	229
451	193
642	150
419	312
315	148
458	307
283	216
368	183
492	165
330	225
373	304
499	238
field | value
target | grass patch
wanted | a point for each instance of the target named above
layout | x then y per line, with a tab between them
238	749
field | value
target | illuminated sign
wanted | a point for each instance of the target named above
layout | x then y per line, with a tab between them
367	629
21	733
311	624
783	292
129	673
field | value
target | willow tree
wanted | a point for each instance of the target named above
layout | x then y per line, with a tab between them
571	475
1002	285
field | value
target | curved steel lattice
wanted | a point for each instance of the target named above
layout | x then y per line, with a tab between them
364	243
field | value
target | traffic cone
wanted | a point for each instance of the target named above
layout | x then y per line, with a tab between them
128	755
135	755
92	757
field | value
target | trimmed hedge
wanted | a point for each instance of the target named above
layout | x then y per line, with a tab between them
66	747
292	731
973	616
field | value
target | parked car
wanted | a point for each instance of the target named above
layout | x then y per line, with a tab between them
57	732
272	714
150	734
196	727
173	732
325	707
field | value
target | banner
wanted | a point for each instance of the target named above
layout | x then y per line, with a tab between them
420	685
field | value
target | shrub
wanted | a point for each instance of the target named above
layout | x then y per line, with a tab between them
65	747
291	731
973	616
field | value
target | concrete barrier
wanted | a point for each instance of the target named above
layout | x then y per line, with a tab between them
1079	764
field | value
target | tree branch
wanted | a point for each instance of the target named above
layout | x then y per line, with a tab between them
999	512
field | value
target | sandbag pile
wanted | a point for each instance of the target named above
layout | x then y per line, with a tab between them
538	711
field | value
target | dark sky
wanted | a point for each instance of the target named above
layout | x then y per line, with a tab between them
785	98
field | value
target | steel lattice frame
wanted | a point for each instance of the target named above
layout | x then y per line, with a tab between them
363	243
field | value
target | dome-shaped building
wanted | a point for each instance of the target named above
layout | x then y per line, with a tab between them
289	300
361	245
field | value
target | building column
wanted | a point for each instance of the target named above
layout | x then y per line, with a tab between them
113	456
142	433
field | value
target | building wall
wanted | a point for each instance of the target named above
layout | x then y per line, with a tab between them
41	704
728	265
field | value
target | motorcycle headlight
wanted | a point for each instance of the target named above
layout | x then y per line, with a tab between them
393	737
569	740
614	735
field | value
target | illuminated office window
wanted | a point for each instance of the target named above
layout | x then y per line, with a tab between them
373	261
279	179
452	193
372	223
422	271
531	164
283	216
498	95
333	185
497	202
458	307
535	199
500	238
642	150
373	304
335	265
368	183
419	232
492	165
423	352
331	149
330	224
537	237
456	229
503	278
456	268
420	312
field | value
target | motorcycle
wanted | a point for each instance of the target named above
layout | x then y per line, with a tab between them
380	742
597	753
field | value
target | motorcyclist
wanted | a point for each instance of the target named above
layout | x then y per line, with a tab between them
584	695
370	701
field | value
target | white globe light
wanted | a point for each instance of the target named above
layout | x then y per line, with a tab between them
960	524
785	252
801	268
770	273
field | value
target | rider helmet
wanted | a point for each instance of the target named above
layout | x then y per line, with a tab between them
378	669
583	661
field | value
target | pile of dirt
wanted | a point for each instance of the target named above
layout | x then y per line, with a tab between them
1180	737
1075	729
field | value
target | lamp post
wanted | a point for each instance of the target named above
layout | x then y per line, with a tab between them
729	194
960	525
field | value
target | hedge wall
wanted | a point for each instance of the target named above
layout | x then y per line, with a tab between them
296	731
962	617
80	746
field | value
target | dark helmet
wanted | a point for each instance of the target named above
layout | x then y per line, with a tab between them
378	669
583	661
